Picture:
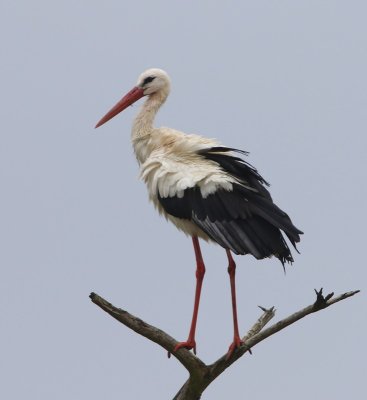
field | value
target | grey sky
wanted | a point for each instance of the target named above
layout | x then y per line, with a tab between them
285	80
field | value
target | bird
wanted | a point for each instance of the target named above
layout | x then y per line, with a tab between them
207	190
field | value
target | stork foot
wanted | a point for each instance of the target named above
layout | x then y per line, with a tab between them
236	344
189	344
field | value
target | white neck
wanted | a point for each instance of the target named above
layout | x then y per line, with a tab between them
143	123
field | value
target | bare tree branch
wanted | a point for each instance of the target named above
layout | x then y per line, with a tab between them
222	364
186	358
201	375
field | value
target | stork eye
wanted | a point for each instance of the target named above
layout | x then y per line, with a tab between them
148	80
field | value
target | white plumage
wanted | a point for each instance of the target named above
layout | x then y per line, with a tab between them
174	167
205	189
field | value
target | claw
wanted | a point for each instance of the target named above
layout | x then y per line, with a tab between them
236	344
190	344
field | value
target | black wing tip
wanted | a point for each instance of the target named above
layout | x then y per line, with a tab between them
222	149
285	259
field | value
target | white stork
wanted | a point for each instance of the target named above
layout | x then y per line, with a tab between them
206	190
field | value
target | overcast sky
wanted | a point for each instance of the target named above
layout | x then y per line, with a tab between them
284	80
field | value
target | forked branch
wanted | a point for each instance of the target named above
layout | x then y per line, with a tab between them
201	375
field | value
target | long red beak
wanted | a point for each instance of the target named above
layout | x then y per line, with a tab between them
135	94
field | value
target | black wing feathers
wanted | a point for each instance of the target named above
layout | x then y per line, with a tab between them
244	220
237	167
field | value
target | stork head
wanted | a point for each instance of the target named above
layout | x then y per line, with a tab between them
153	81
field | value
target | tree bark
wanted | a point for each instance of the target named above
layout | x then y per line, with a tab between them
202	375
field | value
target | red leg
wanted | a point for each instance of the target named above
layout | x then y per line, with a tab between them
237	342
200	272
